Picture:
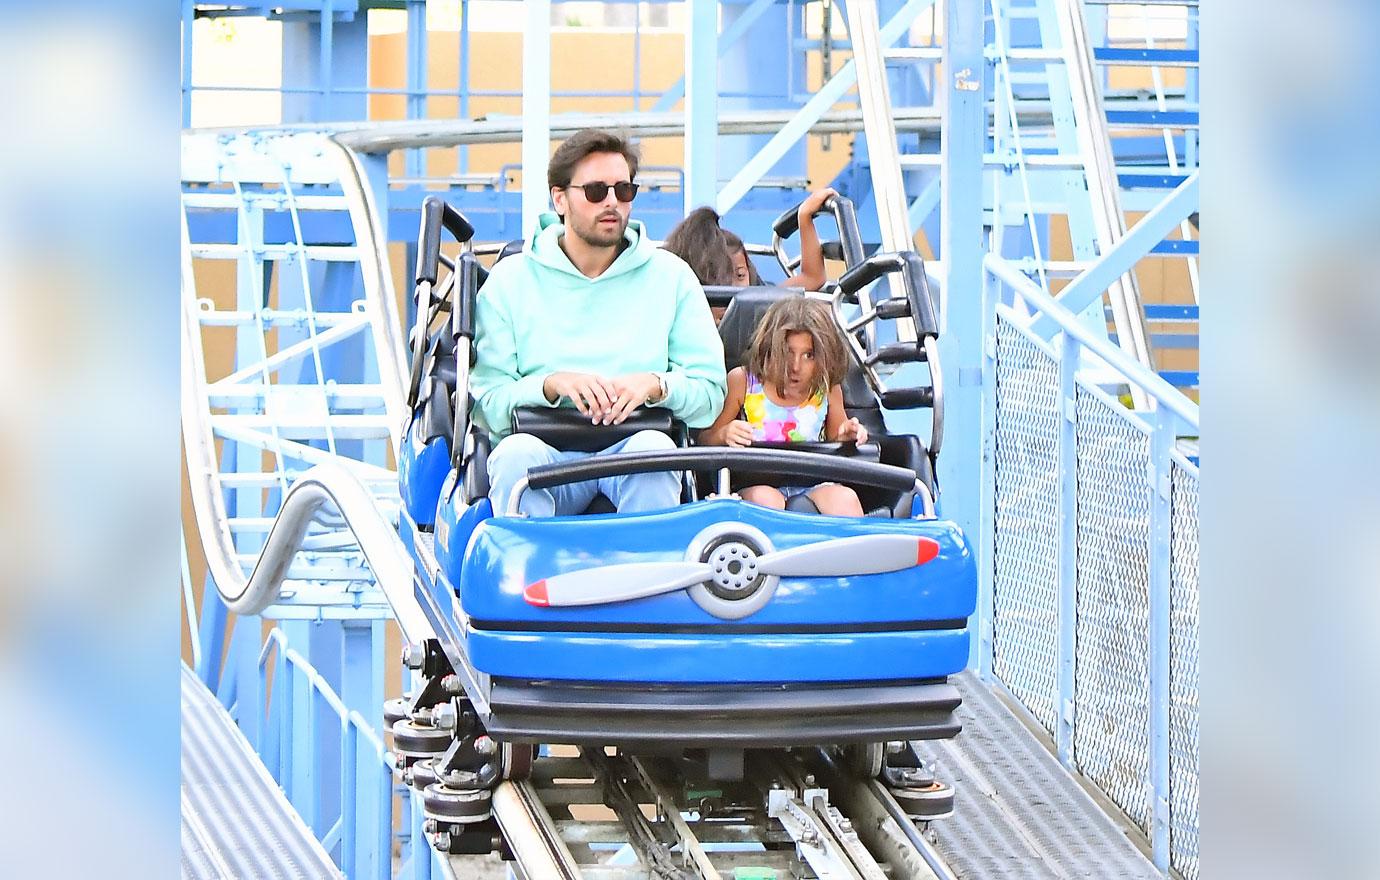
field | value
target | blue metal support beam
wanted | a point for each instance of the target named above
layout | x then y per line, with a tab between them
536	112
1161	444
701	104
188	31
416	77
829	94
963	311
1068	549
727	41
326	67
1085	290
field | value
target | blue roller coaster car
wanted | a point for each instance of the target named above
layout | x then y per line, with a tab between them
718	623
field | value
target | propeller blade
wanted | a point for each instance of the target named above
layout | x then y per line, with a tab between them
841	557
615	583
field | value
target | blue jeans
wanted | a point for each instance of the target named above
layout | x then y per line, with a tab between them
632	493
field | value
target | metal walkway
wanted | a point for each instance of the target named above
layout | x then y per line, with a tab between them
1017	812
236	823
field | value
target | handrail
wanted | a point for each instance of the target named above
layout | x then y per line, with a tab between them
1135	372
328	487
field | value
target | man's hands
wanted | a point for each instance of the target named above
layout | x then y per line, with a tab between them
603	401
851	430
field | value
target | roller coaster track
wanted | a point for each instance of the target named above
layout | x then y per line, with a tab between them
583	814
319	377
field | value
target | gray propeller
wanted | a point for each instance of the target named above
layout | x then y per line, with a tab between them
839	557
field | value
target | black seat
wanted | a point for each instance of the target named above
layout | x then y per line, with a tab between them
744	313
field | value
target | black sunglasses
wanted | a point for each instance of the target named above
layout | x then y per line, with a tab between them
596	192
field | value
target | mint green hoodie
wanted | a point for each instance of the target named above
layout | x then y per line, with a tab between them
537	314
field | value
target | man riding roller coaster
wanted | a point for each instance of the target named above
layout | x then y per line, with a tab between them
593	313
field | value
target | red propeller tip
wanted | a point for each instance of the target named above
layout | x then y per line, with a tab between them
929	549
535	594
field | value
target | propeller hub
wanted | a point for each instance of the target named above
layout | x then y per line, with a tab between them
734	560
736	585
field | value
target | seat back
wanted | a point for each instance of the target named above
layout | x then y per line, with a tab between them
744	313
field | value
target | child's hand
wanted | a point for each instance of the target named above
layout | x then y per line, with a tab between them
814	201
737	433
851	430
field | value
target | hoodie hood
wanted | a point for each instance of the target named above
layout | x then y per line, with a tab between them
545	248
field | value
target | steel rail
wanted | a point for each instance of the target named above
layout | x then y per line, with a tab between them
538	849
883	825
323	488
689	845
381	137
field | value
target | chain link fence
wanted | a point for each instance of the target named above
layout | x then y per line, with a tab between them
1025	590
1113	488
1111	664
1183	669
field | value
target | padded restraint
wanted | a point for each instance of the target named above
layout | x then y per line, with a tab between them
565	429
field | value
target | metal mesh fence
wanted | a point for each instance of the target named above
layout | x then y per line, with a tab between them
1111	674
1025	579
1183	672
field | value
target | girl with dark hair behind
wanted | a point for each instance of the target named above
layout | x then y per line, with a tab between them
700	242
718	257
789	389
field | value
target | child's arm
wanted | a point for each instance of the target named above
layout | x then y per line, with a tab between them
811	275
728	429
838	427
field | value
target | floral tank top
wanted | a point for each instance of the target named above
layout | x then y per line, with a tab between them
774	423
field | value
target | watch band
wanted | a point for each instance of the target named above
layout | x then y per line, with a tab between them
661	384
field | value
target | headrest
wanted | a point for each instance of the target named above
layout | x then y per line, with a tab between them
744	313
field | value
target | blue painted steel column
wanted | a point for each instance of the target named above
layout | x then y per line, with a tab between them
325	653
323	57
965	461
1161	442
701	105
1068	548
416	82
536	112
188	19
763	64
462	153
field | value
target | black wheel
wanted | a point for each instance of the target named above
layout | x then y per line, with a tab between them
459	805
396	710
925	802
864	759
423	773
415	741
517	760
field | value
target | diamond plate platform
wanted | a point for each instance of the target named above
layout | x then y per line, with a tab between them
1018	813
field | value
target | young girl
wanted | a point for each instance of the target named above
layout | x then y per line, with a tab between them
788	389
718	257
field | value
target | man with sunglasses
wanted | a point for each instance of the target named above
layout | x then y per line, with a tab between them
592	315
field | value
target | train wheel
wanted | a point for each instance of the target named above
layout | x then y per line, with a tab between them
517	760
864	759
925	802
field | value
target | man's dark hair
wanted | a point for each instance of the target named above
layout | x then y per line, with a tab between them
581	144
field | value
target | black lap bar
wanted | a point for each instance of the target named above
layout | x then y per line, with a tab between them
818	468
565	429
